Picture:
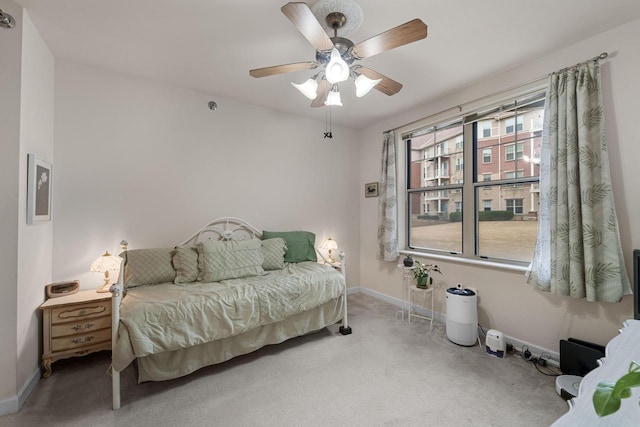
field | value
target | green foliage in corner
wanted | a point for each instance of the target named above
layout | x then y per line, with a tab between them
608	396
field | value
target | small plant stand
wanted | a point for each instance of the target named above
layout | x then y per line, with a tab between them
412	295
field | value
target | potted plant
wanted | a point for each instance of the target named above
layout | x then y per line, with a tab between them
408	261
422	273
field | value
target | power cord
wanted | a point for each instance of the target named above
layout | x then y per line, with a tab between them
540	363
547	370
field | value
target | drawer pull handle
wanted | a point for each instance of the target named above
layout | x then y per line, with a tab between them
82	340
87	325
82	311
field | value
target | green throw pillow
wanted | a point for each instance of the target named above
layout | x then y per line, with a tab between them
300	244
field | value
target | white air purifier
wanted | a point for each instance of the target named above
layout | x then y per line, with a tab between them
462	316
495	343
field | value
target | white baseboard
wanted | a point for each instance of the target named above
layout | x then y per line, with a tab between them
9	405
354	290
552	357
14	403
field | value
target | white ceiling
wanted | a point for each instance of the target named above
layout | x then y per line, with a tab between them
210	45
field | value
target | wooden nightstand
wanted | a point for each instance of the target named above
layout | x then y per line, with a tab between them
75	325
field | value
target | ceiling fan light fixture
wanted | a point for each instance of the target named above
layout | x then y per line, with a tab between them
337	69
333	98
308	88
364	84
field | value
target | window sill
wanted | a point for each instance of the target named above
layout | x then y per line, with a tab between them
463	260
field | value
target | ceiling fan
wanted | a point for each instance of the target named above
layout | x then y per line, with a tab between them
336	56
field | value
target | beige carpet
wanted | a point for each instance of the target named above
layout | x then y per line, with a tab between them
387	373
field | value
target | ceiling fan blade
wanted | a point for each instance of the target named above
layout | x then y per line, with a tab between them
281	69
305	21
387	86
399	36
323	90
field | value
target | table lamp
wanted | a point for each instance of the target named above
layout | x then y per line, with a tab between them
104	264
330	245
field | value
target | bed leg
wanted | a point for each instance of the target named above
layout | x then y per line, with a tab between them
345	329
115	382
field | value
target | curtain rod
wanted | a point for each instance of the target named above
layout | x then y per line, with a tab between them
459	107
603	55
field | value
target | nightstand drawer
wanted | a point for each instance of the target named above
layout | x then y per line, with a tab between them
84	325
84	311
82	340
75	325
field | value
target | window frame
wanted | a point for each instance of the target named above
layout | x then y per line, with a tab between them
514	146
514	205
469	253
517	125
486	150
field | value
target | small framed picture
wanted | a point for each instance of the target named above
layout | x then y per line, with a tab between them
38	190
371	189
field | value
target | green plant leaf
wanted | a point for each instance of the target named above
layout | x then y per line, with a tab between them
625	383
604	402
608	396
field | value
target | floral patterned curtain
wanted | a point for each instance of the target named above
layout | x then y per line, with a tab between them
578	251
388	202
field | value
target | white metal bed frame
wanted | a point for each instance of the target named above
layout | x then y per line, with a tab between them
226	228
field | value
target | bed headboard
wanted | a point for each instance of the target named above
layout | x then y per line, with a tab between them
227	228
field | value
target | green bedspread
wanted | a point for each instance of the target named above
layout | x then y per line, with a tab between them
166	317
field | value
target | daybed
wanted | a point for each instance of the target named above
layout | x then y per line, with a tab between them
226	291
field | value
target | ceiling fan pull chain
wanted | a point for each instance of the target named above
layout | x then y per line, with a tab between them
327	122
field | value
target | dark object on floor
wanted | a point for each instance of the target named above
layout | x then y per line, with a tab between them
579	357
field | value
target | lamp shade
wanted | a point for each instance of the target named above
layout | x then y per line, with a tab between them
330	244
364	84
337	69
308	88
333	98
106	262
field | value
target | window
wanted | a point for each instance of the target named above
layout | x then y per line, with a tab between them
429	202
514	174
515	206
486	155
512	122
459	142
513	151
485	128
478	201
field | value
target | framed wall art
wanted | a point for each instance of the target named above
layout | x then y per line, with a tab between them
38	190
371	189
